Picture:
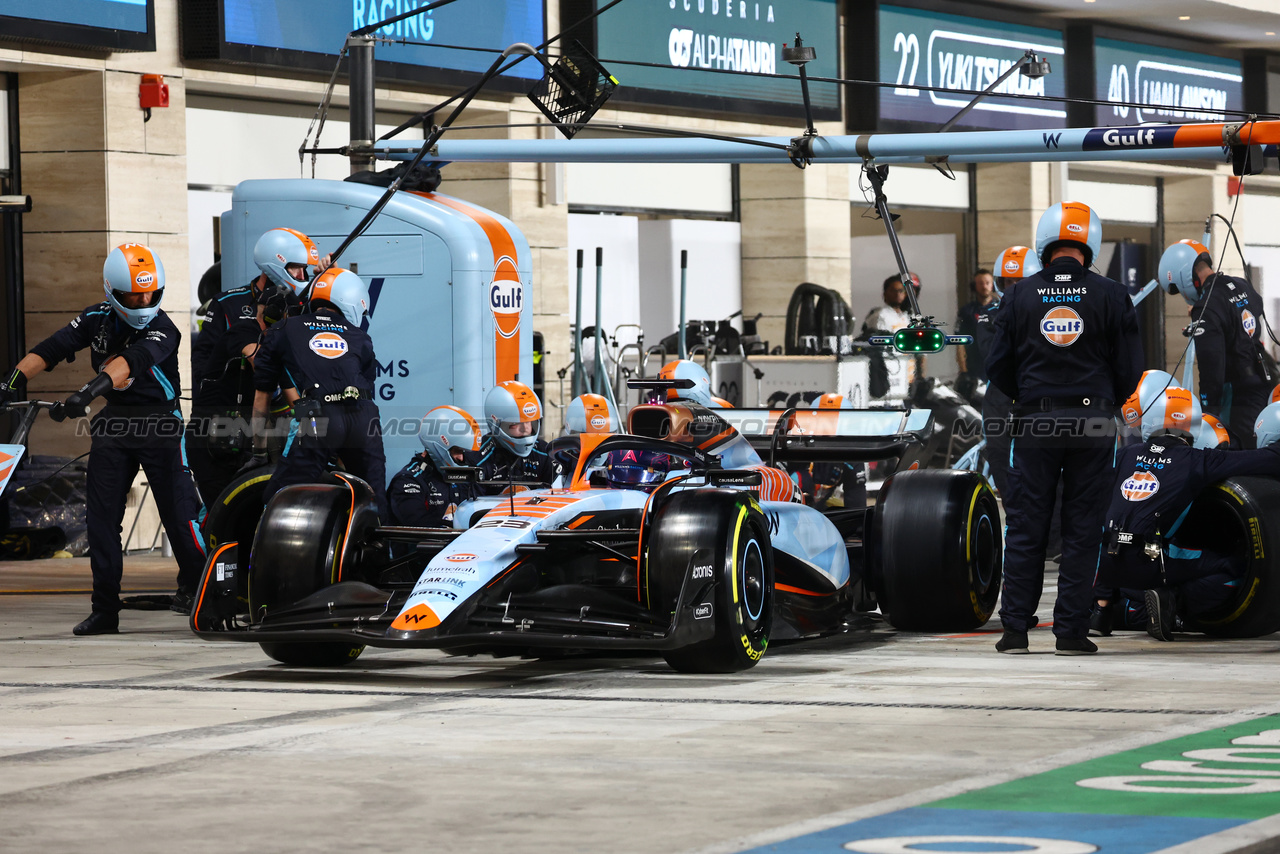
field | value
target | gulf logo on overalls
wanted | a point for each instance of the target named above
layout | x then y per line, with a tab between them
330	345
1248	321
1140	486
1061	326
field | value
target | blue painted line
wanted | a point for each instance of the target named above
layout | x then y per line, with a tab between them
1111	834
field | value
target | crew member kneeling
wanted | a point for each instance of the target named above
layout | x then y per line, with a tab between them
1156	481
419	495
325	363
135	346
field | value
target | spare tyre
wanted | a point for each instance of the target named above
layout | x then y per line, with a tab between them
1240	517
937	550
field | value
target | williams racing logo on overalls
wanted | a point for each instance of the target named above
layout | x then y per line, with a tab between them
330	345
1061	326
1248	321
1140	486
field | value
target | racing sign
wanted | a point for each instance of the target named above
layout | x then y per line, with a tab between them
691	41
922	48
1173	85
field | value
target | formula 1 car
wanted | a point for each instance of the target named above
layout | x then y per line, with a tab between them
706	563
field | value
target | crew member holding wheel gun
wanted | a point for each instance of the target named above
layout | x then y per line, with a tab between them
325	364
134	345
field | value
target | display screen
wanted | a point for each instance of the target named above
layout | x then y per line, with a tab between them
685	43
321	27
1176	85
122	24
920	48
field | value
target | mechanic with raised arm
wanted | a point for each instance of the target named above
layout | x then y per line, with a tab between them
1012	265
1226	324
419	495
1066	350
221	366
325	364
513	452
1156	481
134	346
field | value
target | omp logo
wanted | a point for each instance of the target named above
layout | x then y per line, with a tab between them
1061	326
330	345
1249	322
1140	486
597	422
530	409
460	558
702	572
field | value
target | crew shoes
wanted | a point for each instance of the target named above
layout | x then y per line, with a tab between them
1013	643
99	623
1075	646
1160	613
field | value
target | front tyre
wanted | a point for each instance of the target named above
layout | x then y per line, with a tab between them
326	654
730	532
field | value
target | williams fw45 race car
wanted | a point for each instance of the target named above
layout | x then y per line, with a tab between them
678	538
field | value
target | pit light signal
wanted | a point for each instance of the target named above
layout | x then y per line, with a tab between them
919	340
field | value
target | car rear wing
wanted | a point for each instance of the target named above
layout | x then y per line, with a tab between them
831	435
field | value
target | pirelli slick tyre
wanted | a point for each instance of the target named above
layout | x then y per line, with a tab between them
303	545
938	549
233	517
719	536
1240	517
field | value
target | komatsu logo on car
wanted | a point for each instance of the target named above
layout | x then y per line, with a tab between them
330	345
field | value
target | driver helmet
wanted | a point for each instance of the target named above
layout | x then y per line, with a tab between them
1175	413
508	404
685	369
1212	434
1266	430
344	290
642	470
132	268
445	428
1014	263
279	248
590	413
1177	268
1150	387
1072	223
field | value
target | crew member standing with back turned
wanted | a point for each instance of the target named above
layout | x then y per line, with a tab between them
1066	349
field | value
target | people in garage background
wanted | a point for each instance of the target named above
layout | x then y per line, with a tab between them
221	354
1066	349
1156	481
419	494
325	365
513	457
1235	373
134	347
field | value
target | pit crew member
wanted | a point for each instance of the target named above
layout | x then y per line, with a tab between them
1155	483
1066	350
419	495
513	456
325	364
134	347
974	319
591	413
1226	324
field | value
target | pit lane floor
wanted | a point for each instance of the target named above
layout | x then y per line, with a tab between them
154	741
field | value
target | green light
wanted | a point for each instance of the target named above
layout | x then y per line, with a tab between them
919	340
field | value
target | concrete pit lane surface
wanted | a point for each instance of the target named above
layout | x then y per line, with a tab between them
872	741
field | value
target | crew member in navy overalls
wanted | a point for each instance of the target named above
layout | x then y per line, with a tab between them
1156	481
1066	349
221	370
134	346
513	452
324	362
419	495
1226	325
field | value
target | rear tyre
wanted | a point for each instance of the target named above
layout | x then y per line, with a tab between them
323	654
1240	517
724	532
940	548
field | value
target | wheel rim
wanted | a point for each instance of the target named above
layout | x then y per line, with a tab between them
984	556
751	576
